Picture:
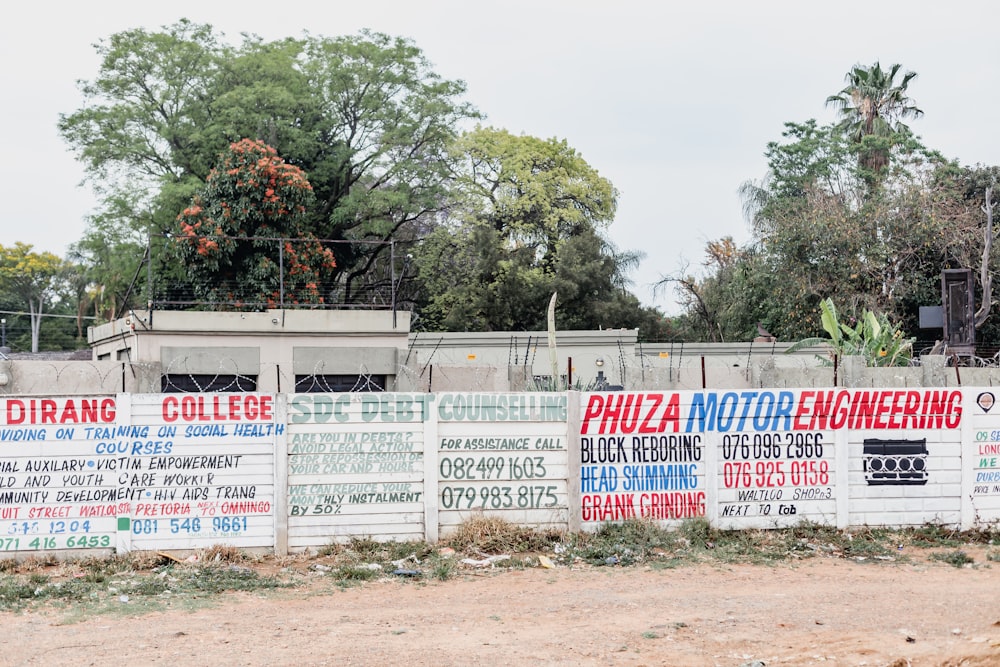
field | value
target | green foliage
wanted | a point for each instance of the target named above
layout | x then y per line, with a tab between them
860	209
871	336
227	239
364	116
818	225
148	581
108	584
527	221
872	107
493	535
35	281
957	558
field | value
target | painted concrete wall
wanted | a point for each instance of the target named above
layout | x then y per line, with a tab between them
40	377
290	472
273	346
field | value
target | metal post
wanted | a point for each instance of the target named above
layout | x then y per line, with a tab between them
392	280
281	273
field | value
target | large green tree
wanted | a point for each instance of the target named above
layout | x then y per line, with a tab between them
365	117
528	219
816	223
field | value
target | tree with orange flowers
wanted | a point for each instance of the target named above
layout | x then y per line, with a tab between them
244	241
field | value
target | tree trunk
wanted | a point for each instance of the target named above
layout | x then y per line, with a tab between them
36	323
985	277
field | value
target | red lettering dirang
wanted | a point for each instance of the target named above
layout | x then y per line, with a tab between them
59	410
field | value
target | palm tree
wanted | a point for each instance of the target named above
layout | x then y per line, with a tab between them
873	105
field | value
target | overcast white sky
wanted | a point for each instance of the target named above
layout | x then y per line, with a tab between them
673	102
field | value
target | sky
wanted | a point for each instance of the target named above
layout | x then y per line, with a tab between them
673	102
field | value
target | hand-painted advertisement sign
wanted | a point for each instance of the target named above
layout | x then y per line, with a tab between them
504	455
770	455
982	457
355	466
202	469
59	487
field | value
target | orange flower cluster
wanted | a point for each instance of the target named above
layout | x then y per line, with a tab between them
188	230
205	246
265	195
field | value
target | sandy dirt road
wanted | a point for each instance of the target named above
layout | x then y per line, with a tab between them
813	612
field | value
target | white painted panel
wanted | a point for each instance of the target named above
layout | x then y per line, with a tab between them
56	491
211	478
503	455
355	466
637	458
775	451
981	456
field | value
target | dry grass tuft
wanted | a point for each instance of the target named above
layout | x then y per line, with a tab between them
221	553
493	535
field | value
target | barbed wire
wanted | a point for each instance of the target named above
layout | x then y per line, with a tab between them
198	373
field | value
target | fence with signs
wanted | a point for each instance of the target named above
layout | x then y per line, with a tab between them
291	472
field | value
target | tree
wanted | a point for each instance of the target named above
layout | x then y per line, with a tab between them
244	241
111	254
527	221
34	278
382	167
147	117
816	222
734	294
365	116
872	107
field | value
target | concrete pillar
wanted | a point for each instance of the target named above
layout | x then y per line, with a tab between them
852	372
6	379
933	370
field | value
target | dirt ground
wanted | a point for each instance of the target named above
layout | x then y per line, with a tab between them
822	611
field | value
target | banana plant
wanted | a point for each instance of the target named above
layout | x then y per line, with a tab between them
872	336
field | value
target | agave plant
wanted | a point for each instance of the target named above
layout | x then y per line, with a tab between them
872	336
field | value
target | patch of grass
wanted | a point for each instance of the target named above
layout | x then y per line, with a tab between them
957	558
365	548
355	573
400	550
116	581
139	582
443	569
699	533
370	550
625	543
869	548
931	534
331	549
493	535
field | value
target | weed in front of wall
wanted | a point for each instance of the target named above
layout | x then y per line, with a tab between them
957	558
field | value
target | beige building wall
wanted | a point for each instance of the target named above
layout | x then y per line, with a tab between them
272	346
